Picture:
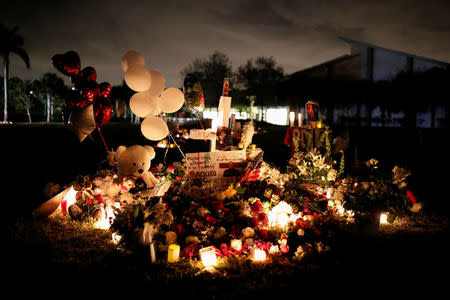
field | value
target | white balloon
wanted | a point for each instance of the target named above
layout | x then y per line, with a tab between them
138	78
132	58
172	99
154	128
142	104
158	83
154	105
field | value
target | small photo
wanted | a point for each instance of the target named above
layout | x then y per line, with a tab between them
224	141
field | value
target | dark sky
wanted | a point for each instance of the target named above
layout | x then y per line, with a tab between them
172	33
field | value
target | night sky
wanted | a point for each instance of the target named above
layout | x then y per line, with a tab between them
172	33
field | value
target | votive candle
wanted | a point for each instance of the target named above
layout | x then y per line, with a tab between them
173	253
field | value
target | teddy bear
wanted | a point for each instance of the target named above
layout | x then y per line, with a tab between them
134	162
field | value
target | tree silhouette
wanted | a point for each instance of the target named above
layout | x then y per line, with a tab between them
261	78
10	42
211	74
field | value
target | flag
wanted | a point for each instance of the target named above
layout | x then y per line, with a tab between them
253	169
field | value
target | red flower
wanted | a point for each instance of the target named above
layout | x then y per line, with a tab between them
178	178
411	196
218	253
217	204
262	217
256	207
263	234
225	251
170	169
191	250
211	220
179	229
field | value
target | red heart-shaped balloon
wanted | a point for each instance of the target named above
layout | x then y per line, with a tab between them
102	111
68	63
104	89
88	74
88	94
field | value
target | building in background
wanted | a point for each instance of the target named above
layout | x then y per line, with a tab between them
371	62
374	86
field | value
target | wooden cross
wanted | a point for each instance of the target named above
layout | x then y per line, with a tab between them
222	120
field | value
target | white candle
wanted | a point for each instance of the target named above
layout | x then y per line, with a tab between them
259	255
208	256
383	218
173	253
292	118
300	120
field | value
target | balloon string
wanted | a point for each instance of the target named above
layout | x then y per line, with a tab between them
200	121
175	142
104	143
170	135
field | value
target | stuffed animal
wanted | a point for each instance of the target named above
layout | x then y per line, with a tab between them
135	162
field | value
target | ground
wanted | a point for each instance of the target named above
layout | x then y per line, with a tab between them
404	259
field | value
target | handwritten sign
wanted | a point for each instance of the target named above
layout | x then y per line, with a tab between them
219	167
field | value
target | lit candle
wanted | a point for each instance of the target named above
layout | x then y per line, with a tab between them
383	218
259	255
208	256
300	120
319	124
236	245
292	118
173	253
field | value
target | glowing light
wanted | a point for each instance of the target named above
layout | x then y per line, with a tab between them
277	116
236	244
173	253
259	255
70	197
300	120
162	144
208	256
292	118
116	238
105	222
319	124
383	218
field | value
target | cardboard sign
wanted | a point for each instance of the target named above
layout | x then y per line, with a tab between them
220	167
302	136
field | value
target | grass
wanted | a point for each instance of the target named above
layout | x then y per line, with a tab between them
70	253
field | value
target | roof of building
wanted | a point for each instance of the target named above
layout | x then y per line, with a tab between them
350	41
331	61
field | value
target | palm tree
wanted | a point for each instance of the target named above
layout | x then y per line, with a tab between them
10	42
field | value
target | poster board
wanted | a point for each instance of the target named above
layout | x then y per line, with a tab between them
219	167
